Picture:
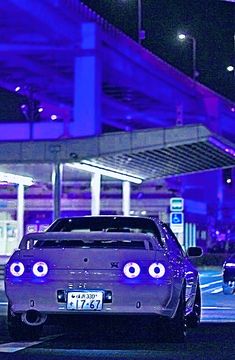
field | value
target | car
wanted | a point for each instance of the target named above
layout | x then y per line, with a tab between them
229	275
103	266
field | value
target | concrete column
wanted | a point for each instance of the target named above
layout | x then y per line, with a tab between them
126	196
95	193
57	172
20	211
87	84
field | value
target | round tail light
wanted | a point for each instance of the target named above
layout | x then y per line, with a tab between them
40	269
131	270
17	268
157	270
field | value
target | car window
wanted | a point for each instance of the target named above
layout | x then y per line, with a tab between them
171	240
107	224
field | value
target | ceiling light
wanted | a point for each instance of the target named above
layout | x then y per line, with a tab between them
15	179
106	172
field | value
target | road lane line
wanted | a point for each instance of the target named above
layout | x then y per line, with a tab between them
217	308
216	291
4	303
221	274
13	347
17	346
210	283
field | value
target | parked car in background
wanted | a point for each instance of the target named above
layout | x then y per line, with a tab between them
103	265
229	275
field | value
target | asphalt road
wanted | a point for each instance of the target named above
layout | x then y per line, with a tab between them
212	340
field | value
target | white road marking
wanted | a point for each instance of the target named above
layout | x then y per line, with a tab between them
216	291
216	308
209	275
221	274
4	303
210	283
17	346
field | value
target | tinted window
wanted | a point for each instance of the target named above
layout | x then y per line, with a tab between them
107	224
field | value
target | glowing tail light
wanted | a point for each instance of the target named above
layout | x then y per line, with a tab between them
131	270
40	269
17	269
157	270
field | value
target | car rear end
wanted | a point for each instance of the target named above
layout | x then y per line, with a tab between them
104	274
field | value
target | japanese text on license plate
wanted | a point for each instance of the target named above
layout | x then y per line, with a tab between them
85	300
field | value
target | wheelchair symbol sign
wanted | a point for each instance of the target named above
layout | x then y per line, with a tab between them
177	218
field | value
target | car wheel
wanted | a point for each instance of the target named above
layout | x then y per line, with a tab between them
193	319
174	330
227	290
19	331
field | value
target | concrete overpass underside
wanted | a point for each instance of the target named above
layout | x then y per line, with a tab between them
144	154
94	77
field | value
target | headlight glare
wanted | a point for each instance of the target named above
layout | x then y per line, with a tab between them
17	268
131	270
157	270
40	269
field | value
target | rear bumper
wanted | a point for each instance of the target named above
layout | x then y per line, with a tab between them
127	299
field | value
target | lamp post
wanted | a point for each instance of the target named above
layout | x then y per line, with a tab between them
141	32
194	43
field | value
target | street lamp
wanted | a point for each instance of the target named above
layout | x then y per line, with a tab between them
141	32
183	37
230	68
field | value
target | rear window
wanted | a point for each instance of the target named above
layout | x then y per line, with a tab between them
106	224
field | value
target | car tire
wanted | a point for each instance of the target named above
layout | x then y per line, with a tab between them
194	318
19	331
227	290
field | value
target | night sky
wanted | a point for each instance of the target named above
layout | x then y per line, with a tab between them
210	22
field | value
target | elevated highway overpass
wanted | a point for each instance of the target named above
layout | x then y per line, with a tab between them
95	80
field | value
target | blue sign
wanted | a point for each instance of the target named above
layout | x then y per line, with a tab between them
177	218
176	204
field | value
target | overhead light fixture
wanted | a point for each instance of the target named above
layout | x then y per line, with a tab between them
16	179
90	167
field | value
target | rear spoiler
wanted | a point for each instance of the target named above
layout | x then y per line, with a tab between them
28	240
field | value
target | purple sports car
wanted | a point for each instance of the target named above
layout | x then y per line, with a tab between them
102	266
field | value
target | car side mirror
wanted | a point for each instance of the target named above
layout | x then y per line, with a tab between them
194	251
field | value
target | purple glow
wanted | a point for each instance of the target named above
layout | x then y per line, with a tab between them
131	270
40	269
222	146
157	270
17	269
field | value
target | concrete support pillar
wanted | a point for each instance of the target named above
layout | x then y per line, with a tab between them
87	84
212	108
126	197
20	211
95	193
57	172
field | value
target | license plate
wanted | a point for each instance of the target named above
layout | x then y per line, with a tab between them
85	300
